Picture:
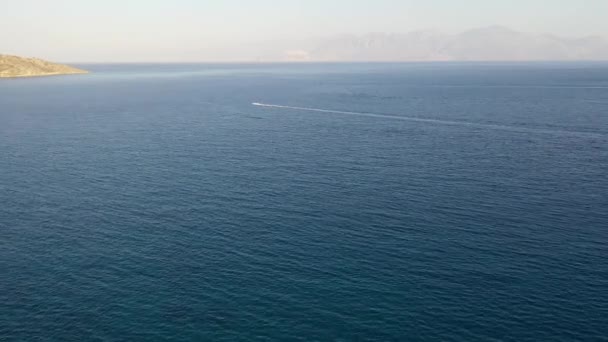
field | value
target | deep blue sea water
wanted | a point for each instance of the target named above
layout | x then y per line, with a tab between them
393	202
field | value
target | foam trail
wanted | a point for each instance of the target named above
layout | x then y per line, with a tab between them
436	121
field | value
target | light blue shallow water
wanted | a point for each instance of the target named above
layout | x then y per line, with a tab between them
464	202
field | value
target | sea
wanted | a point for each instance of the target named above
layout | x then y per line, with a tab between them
306	202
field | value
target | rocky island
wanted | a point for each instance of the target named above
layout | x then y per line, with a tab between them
13	66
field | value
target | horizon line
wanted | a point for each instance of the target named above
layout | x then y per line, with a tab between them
341	62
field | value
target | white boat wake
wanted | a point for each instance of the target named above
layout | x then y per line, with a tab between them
436	121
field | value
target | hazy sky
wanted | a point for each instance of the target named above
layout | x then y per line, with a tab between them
191	30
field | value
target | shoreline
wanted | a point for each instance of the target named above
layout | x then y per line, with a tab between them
45	74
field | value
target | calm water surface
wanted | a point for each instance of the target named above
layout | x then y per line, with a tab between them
391	202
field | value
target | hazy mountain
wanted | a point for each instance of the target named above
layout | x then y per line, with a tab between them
483	44
13	66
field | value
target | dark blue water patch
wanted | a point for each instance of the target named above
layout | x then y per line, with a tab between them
154	202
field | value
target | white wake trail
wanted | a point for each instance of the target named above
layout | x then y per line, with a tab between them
435	121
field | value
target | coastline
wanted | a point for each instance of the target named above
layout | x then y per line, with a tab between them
45	74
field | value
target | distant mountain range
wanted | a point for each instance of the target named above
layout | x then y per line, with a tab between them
13	66
494	43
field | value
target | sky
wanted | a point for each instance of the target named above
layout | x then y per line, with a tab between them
226	30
